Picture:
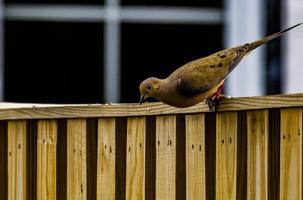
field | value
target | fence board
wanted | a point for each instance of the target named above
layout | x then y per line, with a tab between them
291	154
46	159
195	157
42	111
135	161
153	151
76	159
106	159
3	160
257	151
17	179
226	155
165	157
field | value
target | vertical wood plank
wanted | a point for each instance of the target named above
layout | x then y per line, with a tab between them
76	159
135	160
257	151
46	161
165	157
3	159
106	159
17	179
291	154
195	157
226	155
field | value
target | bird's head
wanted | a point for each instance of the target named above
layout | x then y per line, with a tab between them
149	88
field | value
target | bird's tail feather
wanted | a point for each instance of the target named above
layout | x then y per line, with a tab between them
258	43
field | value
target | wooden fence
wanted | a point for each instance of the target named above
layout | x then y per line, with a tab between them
250	149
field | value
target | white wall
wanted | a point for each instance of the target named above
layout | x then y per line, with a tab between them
293	43
244	23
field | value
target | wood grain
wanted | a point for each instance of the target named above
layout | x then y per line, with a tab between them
3	159
48	111
257	151
226	155
76	159
106	159
46	159
17	178
195	157
135	160
291	154
166	157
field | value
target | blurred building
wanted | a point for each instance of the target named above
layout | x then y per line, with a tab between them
94	51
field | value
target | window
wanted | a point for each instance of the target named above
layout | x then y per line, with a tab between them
70	2
53	62
188	3
76	51
159	49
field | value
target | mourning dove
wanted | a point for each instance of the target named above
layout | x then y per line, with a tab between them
201	79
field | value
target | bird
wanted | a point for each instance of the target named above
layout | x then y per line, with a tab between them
201	79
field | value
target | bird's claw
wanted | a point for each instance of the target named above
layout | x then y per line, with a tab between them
213	101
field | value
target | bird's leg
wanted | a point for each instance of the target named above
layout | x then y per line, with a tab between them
214	99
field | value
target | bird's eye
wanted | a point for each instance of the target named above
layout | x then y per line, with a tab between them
149	87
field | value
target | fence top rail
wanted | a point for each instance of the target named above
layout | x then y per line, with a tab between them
11	111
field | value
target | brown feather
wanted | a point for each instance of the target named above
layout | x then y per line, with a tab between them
203	74
199	79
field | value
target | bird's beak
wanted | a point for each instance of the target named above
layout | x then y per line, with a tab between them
142	99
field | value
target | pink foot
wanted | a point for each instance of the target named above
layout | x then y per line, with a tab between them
214	99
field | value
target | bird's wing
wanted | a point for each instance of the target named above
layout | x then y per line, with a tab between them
203	74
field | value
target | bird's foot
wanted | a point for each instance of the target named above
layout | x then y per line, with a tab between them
213	100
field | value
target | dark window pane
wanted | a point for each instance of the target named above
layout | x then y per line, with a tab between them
202	3
274	64
158	50
53	62
99	2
